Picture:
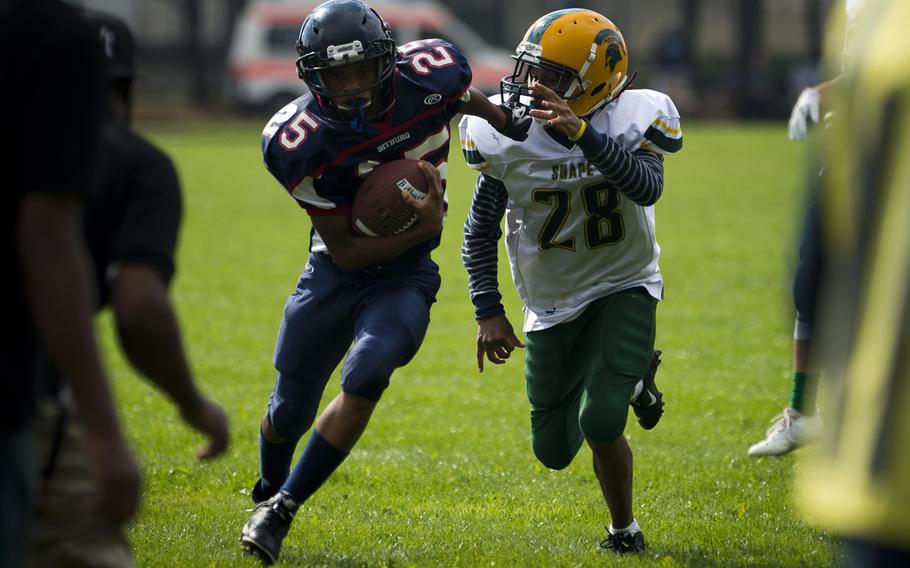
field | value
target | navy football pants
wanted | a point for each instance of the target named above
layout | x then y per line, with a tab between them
384	312
810	267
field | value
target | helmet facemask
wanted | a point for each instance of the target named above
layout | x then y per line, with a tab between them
339	33
580	51
530	67
311	67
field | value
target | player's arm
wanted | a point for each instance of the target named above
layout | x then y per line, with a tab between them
52	253
511	121
638	175
59	286
495	337
150	336
455	80
147	326
351	251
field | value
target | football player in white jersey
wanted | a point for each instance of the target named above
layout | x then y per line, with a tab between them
578	199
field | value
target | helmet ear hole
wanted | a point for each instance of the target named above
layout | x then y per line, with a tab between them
598	89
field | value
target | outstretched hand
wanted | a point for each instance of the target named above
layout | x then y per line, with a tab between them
554	110
496	339
210	420
116	475
806	109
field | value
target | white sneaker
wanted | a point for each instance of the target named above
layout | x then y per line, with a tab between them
790	431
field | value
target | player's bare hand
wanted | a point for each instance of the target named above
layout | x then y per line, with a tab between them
209	419
431	209
496	340
554	110
116	474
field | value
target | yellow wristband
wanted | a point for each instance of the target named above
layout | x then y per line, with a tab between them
581	131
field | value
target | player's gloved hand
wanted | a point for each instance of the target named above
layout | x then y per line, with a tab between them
805	109
518	122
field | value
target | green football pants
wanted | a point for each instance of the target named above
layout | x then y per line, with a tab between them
580	375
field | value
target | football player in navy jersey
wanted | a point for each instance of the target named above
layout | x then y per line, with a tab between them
367	297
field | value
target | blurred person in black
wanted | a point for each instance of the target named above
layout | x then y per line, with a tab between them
51	102
132	220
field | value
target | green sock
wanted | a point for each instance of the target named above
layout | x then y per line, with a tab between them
802	398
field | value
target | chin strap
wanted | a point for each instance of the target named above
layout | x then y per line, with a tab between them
627	84
358	121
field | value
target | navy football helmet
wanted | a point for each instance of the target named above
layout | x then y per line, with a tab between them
342	32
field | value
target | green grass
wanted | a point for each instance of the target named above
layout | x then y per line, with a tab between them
444	476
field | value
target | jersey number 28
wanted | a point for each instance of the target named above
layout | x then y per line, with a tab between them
603	223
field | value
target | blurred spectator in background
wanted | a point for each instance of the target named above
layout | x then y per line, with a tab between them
673	69
131	222
754	92
51	99
860	485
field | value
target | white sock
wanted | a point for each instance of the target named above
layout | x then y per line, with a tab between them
633	528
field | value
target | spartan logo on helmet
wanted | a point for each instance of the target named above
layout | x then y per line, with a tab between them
614	55
584	48
614	51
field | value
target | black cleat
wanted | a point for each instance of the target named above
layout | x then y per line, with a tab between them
623	543
271	520
649	406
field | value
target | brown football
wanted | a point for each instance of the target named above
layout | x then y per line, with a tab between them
378	208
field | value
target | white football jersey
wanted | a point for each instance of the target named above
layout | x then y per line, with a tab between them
570	237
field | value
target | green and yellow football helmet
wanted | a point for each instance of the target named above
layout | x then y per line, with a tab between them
583	48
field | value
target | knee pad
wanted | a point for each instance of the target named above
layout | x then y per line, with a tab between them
372	360
553	456
802	329
604	420
555	447
291	420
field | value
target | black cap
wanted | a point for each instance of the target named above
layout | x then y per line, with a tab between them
116	42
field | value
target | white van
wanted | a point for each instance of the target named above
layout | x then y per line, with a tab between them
261	59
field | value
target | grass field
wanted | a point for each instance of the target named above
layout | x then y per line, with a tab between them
445	476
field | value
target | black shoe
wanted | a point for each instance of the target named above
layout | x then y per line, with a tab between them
649	406
623	543
258	494
271	520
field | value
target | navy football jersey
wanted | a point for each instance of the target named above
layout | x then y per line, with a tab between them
321	164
